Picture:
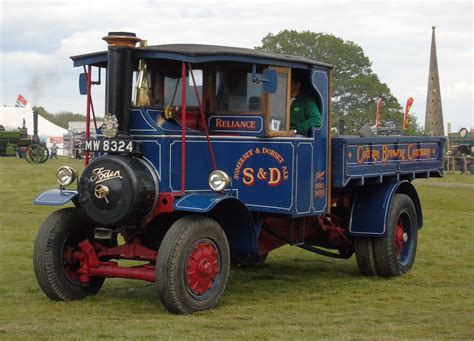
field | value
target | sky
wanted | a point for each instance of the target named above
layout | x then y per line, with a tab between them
38	37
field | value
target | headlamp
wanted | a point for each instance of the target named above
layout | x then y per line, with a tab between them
218	180
65	175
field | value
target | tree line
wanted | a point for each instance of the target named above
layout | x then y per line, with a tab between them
356	88
61	118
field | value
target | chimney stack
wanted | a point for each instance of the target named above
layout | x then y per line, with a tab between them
119	77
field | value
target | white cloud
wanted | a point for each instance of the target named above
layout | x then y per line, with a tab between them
459	89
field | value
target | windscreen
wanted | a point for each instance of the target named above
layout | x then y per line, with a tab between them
237	92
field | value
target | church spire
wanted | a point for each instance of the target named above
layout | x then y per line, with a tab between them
434	111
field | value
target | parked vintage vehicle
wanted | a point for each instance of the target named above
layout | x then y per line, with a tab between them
201	171
18	141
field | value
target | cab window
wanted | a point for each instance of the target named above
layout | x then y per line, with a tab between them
165	85
172	90
236	92
279	103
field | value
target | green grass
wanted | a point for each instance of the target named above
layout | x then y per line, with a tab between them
453	177
296	294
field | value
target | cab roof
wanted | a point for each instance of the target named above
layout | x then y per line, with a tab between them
198	53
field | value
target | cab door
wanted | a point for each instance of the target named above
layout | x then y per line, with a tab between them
277	105
321	85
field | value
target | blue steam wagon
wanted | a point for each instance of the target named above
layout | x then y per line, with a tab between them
197	169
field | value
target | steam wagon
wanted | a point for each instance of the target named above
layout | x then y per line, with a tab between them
35	150
196	169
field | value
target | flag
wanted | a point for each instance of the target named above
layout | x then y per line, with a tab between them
407	112
377	118
21	101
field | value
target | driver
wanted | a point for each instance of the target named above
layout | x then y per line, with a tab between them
304	113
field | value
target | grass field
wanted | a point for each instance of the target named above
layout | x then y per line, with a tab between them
296	294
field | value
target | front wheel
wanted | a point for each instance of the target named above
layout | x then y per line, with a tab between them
193	265
55	266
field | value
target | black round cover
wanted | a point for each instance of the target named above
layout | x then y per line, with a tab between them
117	190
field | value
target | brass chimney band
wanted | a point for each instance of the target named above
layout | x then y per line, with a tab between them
121	39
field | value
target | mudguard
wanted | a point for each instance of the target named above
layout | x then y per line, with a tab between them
234	217
203	202
55	197
369	213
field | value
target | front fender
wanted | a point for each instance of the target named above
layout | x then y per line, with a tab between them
200	203
232	214
55	197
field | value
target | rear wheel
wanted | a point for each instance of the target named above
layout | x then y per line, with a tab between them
193	265
364	250
53	257
395	251
36	153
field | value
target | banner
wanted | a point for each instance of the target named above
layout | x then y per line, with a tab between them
407	112
56	139
377	118
21	101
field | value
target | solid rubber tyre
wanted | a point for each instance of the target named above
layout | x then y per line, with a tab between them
63	229
364	250
172	266
389	260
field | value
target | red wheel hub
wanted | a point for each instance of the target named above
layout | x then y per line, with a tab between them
70	264
400	237
202	267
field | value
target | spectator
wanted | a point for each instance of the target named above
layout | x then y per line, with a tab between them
54	151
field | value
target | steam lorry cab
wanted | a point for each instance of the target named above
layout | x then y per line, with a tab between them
196	167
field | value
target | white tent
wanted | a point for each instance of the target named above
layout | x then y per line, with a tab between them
12	118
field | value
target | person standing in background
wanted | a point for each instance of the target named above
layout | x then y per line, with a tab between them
54	151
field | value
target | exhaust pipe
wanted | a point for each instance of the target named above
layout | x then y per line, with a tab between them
119	77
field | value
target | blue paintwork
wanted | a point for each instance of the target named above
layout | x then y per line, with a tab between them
320	155
370	211
199	202
276	157
55	197
369	214
377	159
289	168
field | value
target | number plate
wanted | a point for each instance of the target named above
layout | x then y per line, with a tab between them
109	146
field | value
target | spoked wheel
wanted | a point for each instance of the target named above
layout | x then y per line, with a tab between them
394	253
55	266
193	265
202	268
36	153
